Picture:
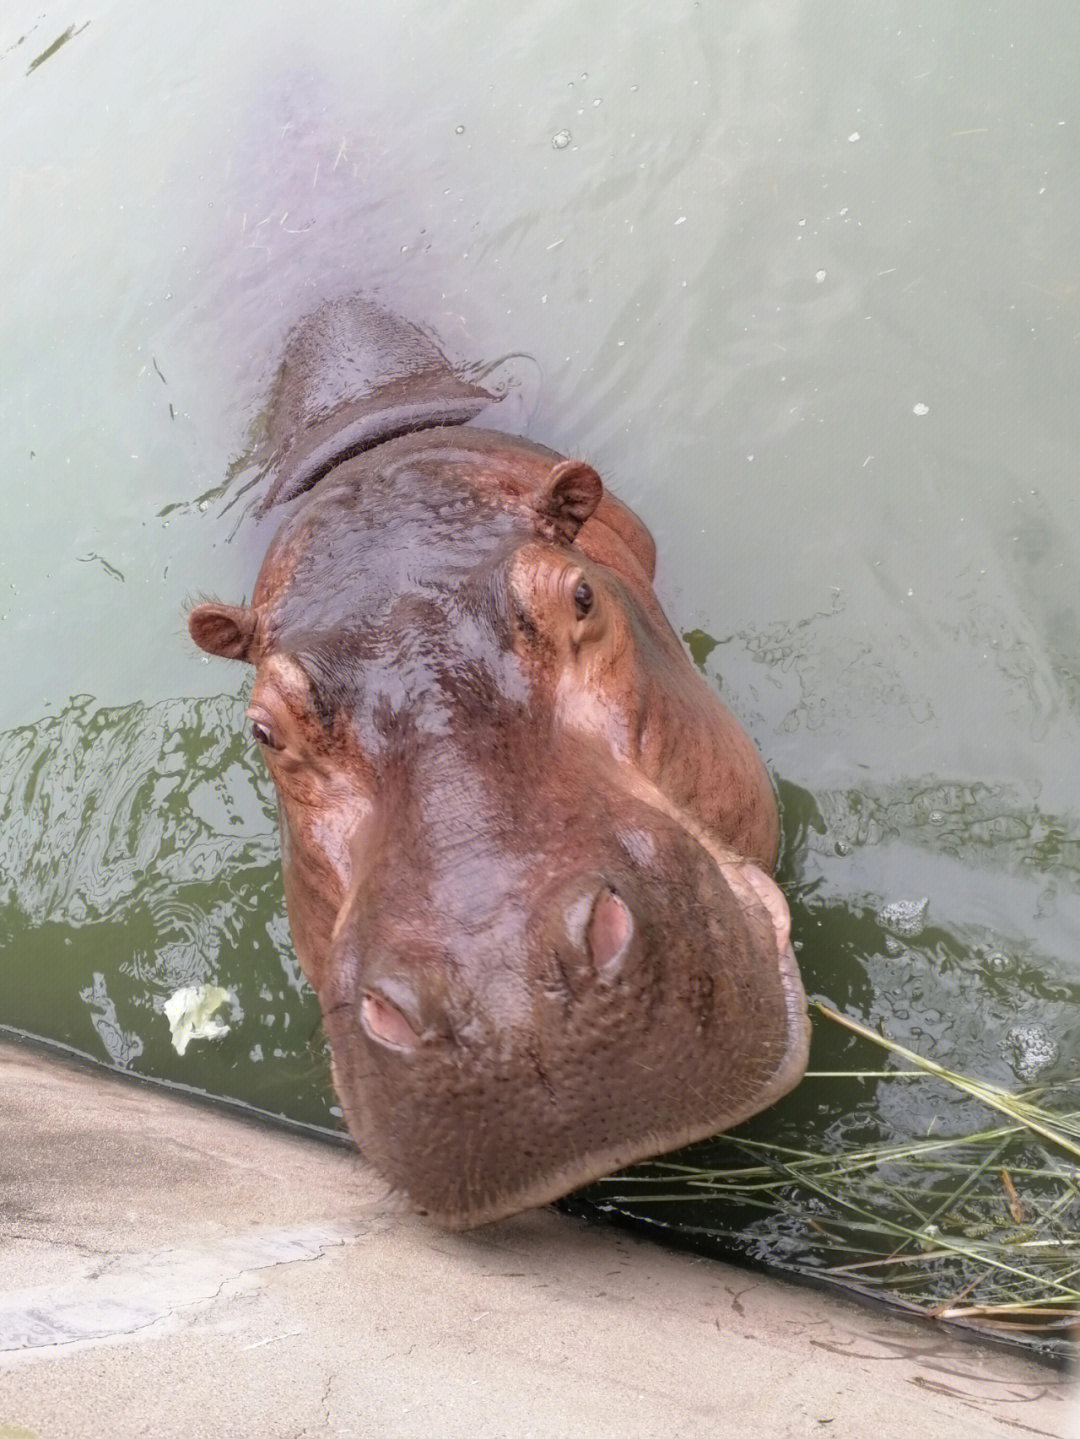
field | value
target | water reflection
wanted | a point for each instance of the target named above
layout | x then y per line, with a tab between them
139	854
139	850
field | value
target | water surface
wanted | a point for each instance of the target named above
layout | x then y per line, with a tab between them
800	279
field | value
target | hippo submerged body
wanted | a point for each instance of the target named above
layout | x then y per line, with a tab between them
527	851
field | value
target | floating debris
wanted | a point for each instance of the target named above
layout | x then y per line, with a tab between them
190	1012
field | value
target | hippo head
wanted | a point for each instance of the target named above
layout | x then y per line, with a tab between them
526	851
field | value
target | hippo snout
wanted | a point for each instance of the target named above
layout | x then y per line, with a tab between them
400	994
558	1026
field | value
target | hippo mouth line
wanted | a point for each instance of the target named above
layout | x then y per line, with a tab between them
753	886
791	1071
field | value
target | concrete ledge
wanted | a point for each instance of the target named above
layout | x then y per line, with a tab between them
166	1269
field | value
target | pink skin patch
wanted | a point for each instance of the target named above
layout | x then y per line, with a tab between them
611	927
386	1023
750	884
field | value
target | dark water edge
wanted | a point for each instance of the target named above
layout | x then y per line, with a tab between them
1058	1354
237	1108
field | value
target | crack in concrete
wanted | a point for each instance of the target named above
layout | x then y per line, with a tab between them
44	1241
139	1292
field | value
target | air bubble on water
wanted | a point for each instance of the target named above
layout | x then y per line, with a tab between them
598	101
1030	1049
920	409
998	961
560	139
842	847
935	816
904	916
459	129
820	277
853	137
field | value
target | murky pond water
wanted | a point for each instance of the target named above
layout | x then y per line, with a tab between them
800	280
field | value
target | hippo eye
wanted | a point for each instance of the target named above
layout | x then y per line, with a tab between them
583	599
263	735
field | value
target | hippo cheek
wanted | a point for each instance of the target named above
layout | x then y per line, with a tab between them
659	1012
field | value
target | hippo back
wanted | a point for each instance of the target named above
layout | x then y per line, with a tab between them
354	376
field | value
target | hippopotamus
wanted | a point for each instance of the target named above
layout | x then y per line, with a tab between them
527	851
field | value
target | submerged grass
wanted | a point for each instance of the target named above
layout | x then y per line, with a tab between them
979	1228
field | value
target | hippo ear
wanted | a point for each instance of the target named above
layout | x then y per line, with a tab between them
567	498
226	630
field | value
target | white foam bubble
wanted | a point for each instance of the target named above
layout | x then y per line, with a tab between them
904	916
1030	1049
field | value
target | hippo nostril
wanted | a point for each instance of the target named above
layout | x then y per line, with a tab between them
611	927
385	1023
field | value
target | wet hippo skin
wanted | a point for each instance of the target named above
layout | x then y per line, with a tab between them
527	851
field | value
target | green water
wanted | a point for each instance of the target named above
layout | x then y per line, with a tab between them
801	279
